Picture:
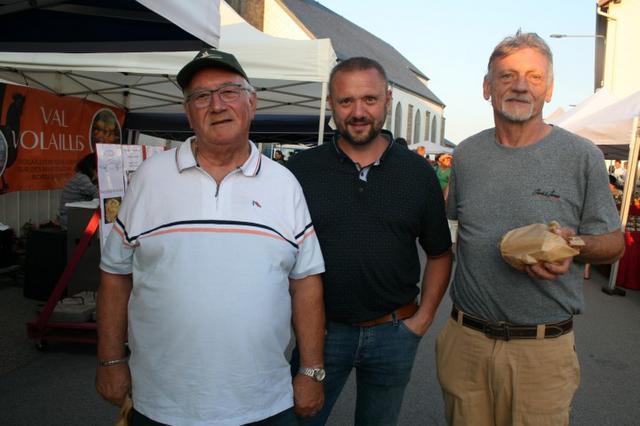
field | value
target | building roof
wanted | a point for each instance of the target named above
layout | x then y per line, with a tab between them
350	40
449	144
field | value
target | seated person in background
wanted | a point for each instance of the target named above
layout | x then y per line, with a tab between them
278	157
81	187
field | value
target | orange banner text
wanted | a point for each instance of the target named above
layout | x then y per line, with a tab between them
43	136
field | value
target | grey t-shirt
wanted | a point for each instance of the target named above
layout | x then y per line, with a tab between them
494	189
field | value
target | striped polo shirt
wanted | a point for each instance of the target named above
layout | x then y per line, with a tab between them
210	310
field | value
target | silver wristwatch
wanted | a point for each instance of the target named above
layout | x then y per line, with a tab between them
316	374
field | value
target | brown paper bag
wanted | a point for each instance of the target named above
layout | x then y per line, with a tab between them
124	418
531	244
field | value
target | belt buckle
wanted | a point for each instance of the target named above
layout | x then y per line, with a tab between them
498	330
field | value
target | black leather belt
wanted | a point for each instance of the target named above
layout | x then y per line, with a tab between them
508	331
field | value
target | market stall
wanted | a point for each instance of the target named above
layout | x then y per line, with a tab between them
614	128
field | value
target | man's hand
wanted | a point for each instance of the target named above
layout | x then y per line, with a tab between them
549	271
308	395
417	325
114	383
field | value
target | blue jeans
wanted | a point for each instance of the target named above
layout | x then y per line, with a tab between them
383	358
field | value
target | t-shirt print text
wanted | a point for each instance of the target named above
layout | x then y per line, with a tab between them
547	195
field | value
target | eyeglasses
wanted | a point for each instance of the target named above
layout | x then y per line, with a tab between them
227	93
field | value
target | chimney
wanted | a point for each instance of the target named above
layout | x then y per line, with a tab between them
251	11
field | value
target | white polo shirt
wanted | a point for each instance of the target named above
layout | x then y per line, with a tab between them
210	310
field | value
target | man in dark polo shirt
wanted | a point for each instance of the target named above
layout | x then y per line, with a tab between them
370	199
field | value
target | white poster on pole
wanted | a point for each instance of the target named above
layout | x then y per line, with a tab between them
116	166
110	184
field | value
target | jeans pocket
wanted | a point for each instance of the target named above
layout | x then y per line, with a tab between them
404	327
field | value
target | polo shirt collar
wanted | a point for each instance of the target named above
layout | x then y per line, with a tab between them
184	155
185	158
251	167
387	134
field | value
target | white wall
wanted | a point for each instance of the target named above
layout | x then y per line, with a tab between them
406	98
622	59
277	22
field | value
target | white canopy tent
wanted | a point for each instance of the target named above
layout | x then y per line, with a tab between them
551	118
593	103
610	125
615	125
431	148
290	75
204	25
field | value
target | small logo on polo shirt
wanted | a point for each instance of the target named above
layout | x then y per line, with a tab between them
548	194
255	203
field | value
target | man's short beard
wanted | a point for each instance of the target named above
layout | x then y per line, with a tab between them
370	138
516	118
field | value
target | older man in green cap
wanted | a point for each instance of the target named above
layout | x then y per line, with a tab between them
208	266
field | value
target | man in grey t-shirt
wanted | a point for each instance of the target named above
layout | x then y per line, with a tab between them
507	354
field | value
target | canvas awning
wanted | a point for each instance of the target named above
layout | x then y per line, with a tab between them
289	75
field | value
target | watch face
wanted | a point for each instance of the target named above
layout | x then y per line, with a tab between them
319	374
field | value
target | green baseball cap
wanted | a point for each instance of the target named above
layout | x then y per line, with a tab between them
209	58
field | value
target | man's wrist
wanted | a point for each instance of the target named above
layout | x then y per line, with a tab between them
316	373
112	362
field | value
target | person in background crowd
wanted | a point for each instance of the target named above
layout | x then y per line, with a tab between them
105	128
402	142
83	186
443	171
614	188
619	172
279	158
507	356
370	200
209	266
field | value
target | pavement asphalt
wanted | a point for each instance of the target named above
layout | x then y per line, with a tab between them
55	387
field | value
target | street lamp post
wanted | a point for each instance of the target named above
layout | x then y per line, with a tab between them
576	35
598	57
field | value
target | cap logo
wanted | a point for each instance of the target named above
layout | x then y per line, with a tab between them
209	54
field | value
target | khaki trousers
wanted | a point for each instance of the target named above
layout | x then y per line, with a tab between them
496	382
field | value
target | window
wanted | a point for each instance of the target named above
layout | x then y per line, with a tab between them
433	130
397	123
442	121
387	121
427	123
416	128
409	123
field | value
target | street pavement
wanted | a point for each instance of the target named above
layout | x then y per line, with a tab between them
56	387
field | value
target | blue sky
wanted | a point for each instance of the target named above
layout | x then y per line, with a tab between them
450	41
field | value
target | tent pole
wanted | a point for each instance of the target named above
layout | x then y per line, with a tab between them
323	106
627	197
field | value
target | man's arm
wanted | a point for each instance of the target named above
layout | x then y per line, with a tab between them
113	382
435	280
598	249
308	323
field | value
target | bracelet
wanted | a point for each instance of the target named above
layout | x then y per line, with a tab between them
111	362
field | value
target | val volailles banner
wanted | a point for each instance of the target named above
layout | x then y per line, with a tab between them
43	136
